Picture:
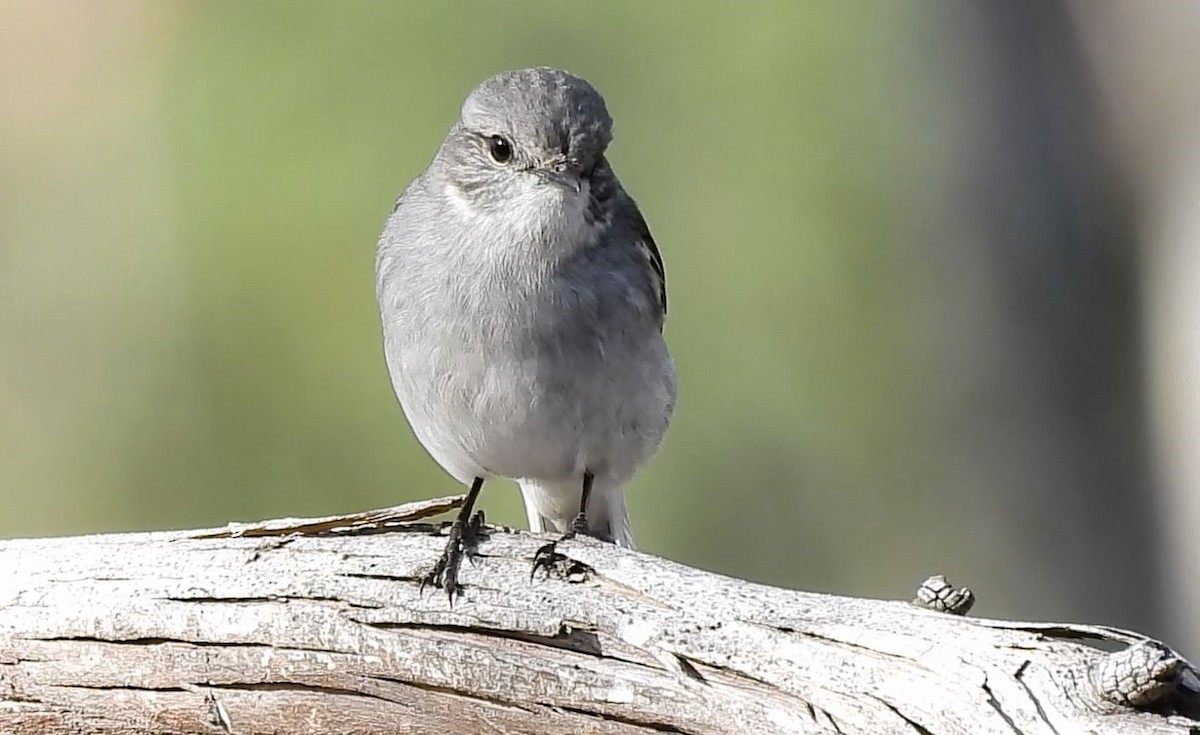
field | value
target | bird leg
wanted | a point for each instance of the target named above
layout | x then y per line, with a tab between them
546	556
464	534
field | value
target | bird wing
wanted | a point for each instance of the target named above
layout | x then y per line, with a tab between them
645	242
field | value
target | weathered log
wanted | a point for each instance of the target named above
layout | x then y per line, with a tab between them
319	626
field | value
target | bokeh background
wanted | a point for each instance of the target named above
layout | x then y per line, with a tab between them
934	276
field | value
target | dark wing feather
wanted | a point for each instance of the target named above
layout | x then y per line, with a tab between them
646	242
611	205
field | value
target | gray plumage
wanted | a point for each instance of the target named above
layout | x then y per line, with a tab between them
523	299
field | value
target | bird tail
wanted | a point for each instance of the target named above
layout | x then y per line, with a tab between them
551	506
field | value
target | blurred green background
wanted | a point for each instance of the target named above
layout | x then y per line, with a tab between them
910	249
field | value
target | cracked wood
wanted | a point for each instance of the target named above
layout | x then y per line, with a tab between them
316	625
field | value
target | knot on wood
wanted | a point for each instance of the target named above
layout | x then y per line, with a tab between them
1138	676
938	594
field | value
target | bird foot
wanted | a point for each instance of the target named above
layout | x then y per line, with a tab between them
462	542
548	559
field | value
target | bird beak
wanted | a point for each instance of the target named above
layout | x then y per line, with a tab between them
563	174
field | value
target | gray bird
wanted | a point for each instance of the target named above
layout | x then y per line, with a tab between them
522	300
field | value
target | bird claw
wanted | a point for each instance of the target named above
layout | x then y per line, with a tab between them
460	543
547	557
474	532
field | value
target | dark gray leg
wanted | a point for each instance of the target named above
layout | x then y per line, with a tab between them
463	534
545	557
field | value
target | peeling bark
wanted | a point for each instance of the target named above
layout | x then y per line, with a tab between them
318	626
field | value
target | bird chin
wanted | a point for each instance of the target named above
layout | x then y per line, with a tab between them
550	199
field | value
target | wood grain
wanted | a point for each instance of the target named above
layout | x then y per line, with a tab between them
270	629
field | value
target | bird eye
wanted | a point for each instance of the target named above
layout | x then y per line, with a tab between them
500	149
